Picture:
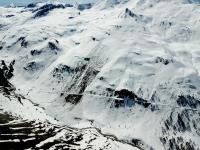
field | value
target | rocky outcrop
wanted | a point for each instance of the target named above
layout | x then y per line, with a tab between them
6	73
45	9
16	133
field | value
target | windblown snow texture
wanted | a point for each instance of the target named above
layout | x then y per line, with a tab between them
122	73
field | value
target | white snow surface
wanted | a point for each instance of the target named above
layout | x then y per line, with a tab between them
123	48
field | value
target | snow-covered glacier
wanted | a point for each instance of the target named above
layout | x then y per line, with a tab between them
113	74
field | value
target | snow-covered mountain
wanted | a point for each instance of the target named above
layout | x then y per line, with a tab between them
126	68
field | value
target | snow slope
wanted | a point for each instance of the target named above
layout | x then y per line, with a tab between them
127	67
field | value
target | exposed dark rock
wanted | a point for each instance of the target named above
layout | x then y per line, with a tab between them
178	122
70	17
35	52
136	17
73	30
3	80
9	73
45	9
57	41
80	85
188	101
87	59
119	103
172	144
107	33
73	99
23	41
154	107
125	93
166	24
109	92
90	74
192	87
59	71
19	134
68	5
9	16
189	146
32	5
128	12
136	142
2	25
177	143
82	7
3	65
32	66
6	73
101	78
181	124
9	131
118	26
140	144
154	96
52	46
77	43
163	140
130	97
162	60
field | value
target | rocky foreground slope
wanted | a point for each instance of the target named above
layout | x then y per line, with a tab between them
16	133
127	67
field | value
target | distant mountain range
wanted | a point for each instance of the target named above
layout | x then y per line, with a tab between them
26	2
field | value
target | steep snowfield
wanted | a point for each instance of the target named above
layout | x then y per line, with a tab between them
127	67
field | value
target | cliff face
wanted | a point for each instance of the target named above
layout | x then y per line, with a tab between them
129	68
